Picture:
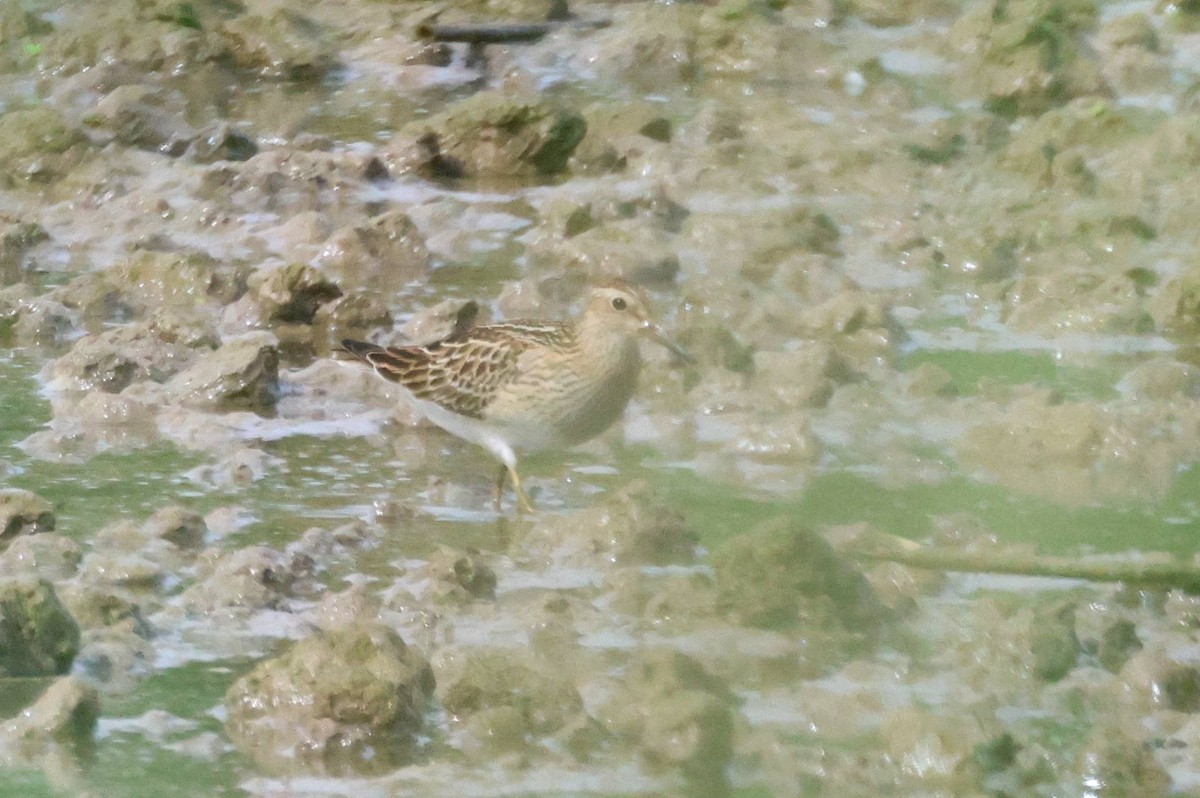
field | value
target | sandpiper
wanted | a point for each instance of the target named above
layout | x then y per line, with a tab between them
527	385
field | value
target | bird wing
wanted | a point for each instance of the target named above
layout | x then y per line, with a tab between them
464	372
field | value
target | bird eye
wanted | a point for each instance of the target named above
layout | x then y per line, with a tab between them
619	303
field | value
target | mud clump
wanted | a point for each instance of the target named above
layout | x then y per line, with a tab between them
38	146
1176	306
38	637
679	716
460	577
248	579
115	359
1115	757
488	135
344	701
1053	642
23	513
1029	56
631	527
178	526
46	555
65	713
543	697
150	283
243	373
388	247
291	293
781	574
281	44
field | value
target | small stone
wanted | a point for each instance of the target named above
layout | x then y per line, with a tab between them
243	373
38	637
341	701
65	713
178	525
23	513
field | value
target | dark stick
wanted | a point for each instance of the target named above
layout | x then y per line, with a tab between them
496	33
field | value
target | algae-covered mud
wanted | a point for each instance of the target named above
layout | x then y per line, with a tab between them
921	520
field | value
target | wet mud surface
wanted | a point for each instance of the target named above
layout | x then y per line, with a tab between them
936	262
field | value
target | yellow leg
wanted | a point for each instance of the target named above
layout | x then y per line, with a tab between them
523	503
498	490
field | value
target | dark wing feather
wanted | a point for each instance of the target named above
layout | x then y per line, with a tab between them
463	372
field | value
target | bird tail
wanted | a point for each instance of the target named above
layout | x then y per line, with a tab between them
359	349
392	363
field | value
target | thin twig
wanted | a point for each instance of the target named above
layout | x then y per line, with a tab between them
1150	574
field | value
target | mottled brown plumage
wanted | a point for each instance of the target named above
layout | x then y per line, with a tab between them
526	384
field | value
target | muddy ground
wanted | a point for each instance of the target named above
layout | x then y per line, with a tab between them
937	263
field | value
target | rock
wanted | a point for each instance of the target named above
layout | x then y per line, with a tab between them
1176	306
65	713
242	467
678	716
473	681
1157	681
155	283
630	527
389	247
715	345
495	731
128	569
355	604
630	248
460	577
1115	756
803	376
98	605
177	525
37	146
652	50
17	23
243	373
441	320
489	134
117	358
340	701
145	37
256	577
1028	56
186	326
1130	30
352	316
16	240
38	637
617	130
23	513
282	43
1074	452
1077	300
288	181
220	142
1161	379
780	573
1118	642
48	556
141	116
938	746
291	293
1053	642
116	658
40	321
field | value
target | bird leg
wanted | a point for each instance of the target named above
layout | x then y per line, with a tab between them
498	490
524	505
